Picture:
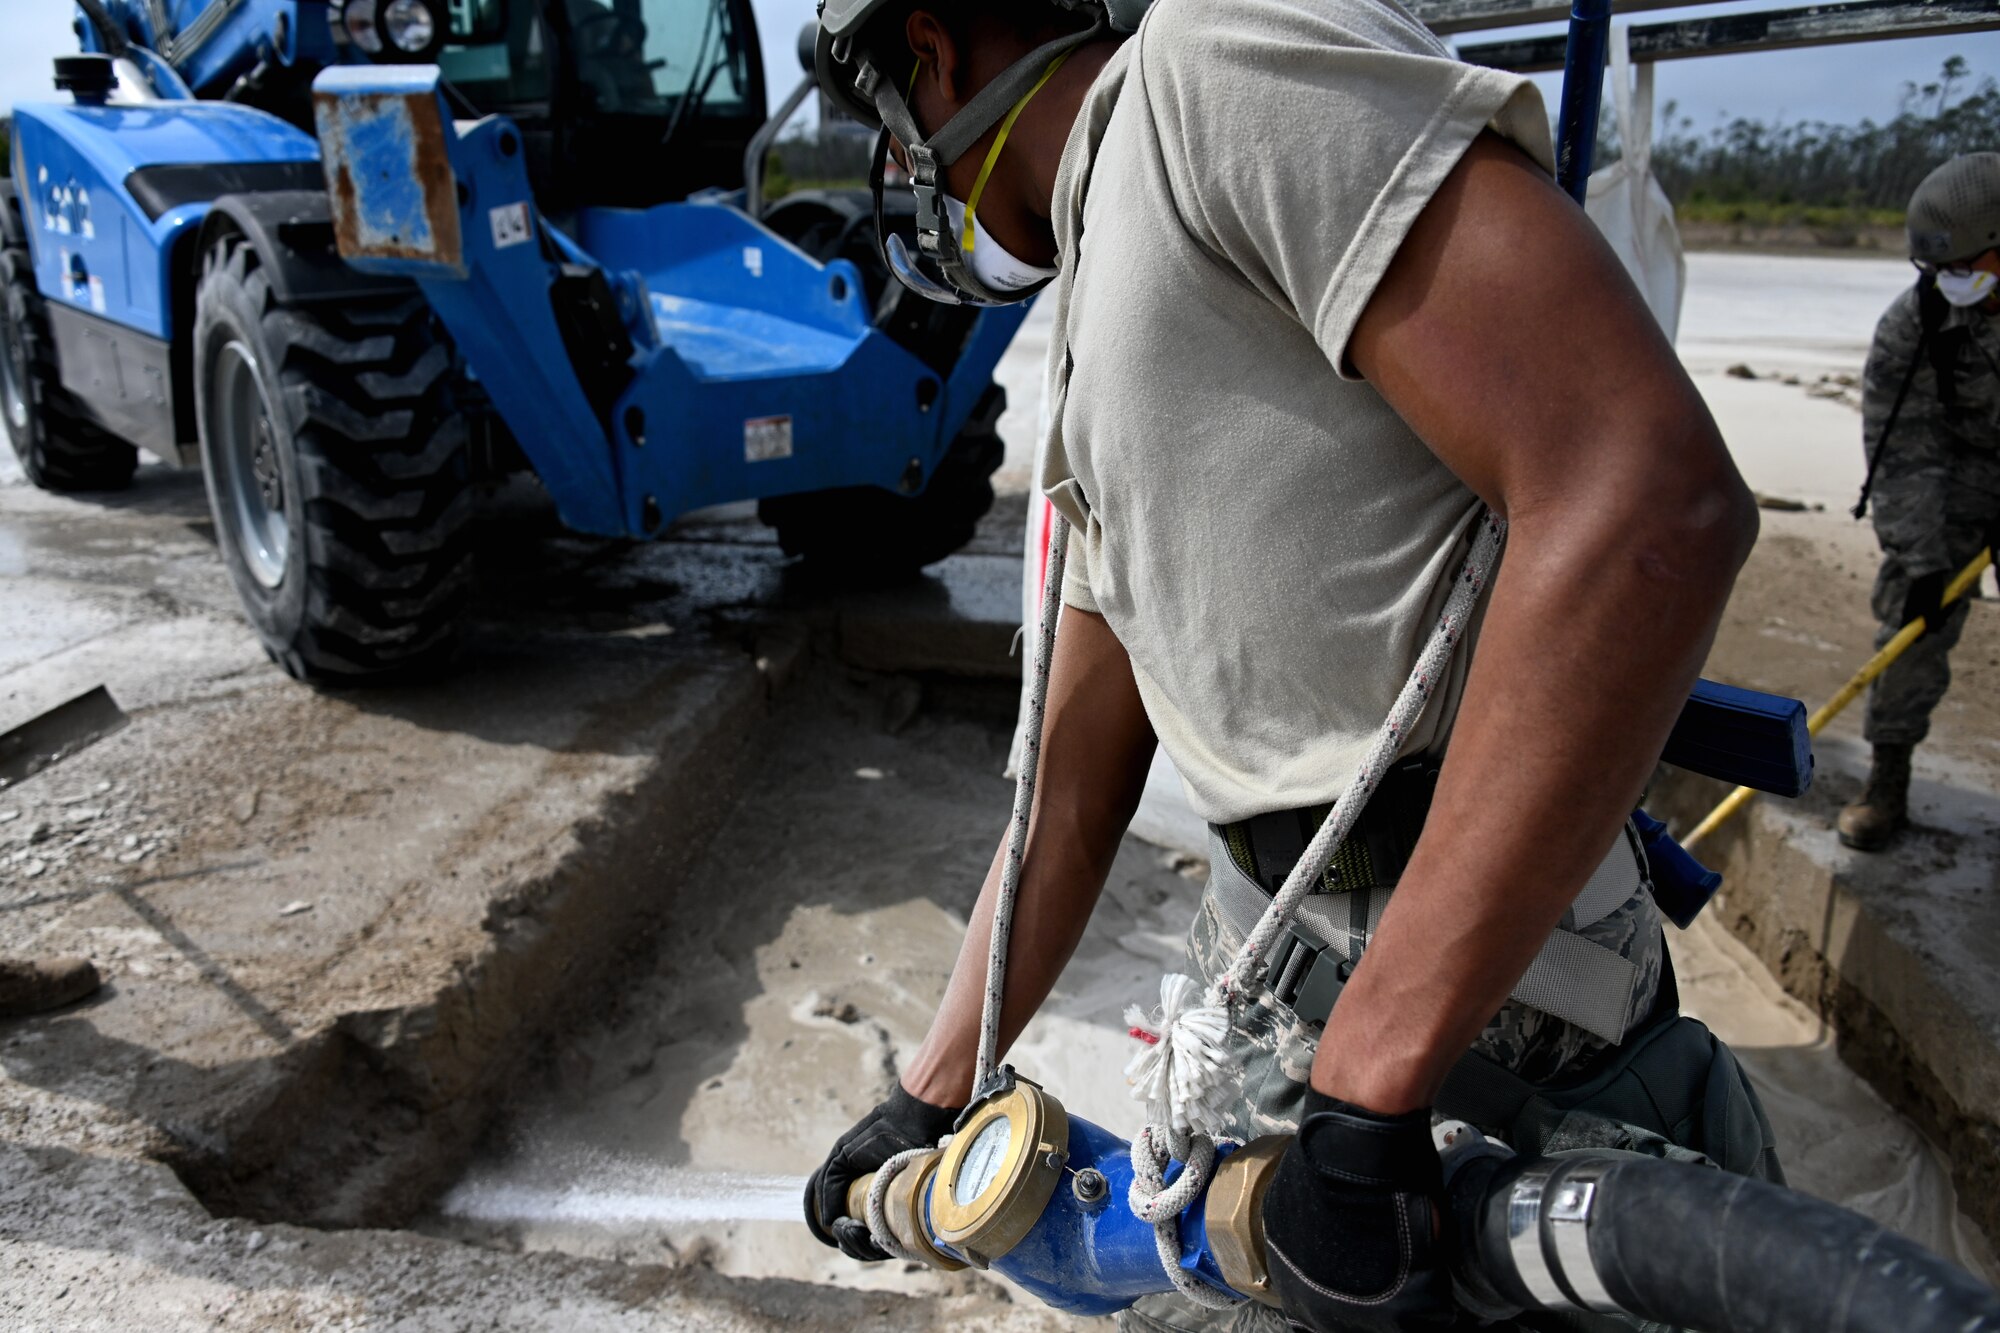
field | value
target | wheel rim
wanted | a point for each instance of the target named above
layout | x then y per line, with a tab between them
250	464
13	377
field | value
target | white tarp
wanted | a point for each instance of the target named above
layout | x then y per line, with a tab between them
1625	199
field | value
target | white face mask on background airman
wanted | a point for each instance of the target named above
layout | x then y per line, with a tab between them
1960	289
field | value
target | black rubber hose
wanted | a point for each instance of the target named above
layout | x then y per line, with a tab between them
113	37
1699	1248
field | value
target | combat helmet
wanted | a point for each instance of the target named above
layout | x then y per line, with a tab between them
853	55
1955	212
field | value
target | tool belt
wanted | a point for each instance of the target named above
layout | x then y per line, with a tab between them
1573	978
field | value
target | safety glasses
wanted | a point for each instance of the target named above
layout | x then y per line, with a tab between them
1957	267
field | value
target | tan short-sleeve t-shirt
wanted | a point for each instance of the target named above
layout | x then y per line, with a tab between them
1268	540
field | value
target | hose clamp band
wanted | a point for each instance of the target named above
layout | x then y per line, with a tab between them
1568	1214
1524	1238
1548	1236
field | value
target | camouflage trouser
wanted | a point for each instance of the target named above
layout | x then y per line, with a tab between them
1902	697
1275	1052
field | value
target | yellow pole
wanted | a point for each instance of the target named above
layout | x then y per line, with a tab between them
1847	693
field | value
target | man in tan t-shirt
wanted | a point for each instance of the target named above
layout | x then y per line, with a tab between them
1318	302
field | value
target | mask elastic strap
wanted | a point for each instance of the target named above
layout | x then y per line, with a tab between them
987	105
1000	142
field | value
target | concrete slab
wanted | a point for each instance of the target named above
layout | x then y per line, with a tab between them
784	1012
334	924
312	905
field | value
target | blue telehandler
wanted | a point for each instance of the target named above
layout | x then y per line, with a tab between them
354	258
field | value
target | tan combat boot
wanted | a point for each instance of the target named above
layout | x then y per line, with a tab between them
1869	824
35	985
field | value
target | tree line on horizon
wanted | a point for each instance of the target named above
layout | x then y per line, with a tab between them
1739	170
1749	170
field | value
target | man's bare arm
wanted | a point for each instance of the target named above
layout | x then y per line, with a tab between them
1096	748
1509	338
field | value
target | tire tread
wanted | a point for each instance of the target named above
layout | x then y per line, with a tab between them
384	479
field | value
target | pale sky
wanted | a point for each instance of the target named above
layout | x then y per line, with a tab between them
1841	84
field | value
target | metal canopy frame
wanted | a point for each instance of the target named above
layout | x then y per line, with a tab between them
1580	53
1763	30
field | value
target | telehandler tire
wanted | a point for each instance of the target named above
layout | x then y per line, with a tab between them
861	532
337	472
868	534
59	447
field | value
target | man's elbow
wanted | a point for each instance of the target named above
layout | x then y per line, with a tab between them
1693	527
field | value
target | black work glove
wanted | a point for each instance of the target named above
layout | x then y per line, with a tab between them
1926	599
897	1125
1348	1223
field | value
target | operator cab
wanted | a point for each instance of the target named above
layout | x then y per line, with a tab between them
621	103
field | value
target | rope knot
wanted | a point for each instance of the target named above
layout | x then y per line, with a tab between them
1183	1074
1154	1201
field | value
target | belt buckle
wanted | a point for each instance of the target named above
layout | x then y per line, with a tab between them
1307	976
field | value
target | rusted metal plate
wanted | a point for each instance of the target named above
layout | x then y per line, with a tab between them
387	168
57	734
1768	30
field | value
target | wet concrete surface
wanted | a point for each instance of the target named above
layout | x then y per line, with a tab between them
784	1013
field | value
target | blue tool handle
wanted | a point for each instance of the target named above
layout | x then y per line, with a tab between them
1743	737
1582	94
1682	885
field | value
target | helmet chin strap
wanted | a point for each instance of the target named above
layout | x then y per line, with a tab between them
928	157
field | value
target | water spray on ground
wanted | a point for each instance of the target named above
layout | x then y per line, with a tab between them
606	1190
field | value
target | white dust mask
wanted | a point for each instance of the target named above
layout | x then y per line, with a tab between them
1960	289
992	263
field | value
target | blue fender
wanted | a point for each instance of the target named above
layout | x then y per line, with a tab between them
96	245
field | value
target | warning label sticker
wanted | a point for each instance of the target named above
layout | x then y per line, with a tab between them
766	438
510	225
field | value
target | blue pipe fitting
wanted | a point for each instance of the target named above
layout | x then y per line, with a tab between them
1093	1256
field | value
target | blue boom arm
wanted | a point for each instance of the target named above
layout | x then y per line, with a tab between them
718	362
208	44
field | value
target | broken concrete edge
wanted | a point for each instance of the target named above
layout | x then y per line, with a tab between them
368	1118
1893	1023
57	733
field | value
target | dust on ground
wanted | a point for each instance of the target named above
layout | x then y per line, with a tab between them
837	893
834	901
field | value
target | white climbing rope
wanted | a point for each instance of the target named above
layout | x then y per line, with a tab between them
1024	800
1010	881
1432	663
1177	1073
1182	1070
879	1229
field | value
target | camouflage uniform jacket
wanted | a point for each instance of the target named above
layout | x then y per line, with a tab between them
1941	467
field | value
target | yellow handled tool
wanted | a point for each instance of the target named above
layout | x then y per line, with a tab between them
1890	651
